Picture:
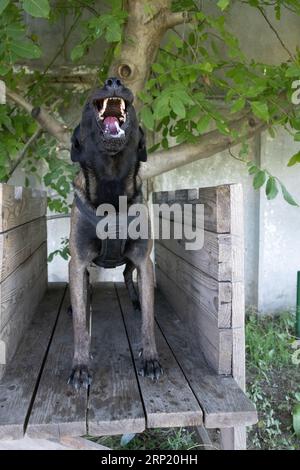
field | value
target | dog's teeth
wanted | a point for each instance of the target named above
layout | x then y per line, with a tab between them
103	107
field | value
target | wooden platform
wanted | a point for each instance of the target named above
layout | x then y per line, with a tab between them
35	397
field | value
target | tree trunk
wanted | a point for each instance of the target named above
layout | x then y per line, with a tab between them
146	25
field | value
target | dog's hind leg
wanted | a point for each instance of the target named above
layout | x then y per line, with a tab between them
128	278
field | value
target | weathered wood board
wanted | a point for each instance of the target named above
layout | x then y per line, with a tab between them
18	244
115	405
19	205
216	343
20	294
212	296
58	409
170	401
223	402
216	201
214	259
18	386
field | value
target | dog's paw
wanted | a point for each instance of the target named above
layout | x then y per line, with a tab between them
151	368
80	377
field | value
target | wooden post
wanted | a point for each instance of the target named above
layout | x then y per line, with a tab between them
235	438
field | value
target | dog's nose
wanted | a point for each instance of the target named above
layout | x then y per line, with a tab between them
113	83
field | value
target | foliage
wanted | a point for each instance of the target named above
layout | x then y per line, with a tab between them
195	64
272	381
163	439
63	251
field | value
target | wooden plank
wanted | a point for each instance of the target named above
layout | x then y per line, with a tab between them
223	402
214	259
216	202
81	443
58	409
18	305
18	385
115	405
19	205
170	401
20	243
18	293
212	296
16	327
216	343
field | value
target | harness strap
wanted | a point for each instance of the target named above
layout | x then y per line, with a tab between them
112	249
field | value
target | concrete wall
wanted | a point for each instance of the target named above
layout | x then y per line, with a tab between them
272	228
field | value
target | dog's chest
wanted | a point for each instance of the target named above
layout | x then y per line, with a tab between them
109	191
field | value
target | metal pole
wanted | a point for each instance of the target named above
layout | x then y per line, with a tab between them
298	307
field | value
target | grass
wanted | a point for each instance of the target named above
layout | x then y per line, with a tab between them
272	381
272	384
163	439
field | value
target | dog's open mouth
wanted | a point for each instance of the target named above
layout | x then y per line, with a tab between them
111	114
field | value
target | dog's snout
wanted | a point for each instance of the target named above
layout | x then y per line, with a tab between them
113	83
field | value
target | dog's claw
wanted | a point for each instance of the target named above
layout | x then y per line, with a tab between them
80	377
151	368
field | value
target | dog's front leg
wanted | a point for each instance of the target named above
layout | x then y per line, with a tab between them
151	366
79	291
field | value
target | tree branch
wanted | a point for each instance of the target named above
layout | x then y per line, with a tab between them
16	163
209	144
275	32
45	120
176	18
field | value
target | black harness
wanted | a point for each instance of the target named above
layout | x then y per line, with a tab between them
113	247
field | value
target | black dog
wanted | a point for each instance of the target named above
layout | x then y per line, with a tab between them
109	146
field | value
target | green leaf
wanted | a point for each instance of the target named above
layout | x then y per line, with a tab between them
296	419
294	159
252	169
203	123
158	68
223	4
259	179
260	110
26	50
147	117
113	32
3	5
37	8
293	71
287	196
238	105
297	137
77	52
177	106
271	188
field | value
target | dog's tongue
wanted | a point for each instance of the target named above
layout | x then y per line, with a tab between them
111	124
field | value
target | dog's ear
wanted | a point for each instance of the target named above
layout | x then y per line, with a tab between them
142	151
76	145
